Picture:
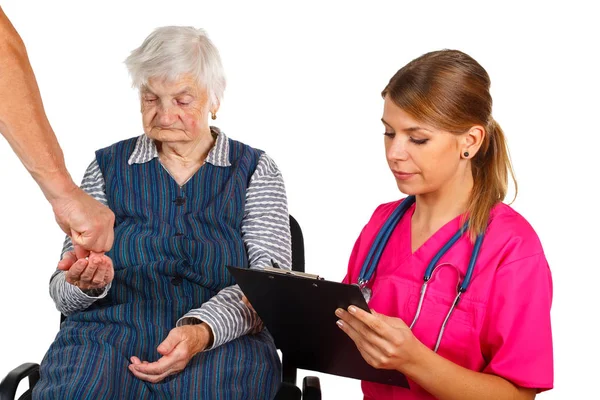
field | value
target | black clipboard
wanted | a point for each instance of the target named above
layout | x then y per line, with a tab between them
299	311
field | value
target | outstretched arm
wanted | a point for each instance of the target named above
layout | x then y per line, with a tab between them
24	124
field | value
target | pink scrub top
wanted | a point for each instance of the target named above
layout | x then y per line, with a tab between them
501	326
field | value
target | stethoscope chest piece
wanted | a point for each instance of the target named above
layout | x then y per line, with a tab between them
367	293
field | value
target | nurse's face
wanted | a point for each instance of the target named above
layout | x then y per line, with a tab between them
422	158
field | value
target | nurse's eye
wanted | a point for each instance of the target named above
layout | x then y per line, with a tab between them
418	141
389	134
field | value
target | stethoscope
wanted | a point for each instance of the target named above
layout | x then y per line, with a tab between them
381	240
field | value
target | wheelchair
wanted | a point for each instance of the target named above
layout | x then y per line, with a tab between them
311	389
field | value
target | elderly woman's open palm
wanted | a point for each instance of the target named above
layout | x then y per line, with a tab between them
87	270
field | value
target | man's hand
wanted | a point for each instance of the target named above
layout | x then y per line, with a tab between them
24	124
89	223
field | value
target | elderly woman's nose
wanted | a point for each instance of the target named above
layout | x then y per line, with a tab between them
166	114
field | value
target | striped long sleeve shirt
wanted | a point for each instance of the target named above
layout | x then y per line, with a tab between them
265	232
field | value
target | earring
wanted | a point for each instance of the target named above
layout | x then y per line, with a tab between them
466	154
213	115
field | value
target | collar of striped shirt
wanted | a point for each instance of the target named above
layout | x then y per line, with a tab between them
145	150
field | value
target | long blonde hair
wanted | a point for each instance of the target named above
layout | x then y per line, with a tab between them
449	90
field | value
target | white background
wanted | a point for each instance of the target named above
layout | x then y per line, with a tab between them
304	83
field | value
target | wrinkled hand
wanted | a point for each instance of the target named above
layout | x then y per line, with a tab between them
259	327
247	303
87	221
87	270
177	350
384	342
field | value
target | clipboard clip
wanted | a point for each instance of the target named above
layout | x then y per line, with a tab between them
294	273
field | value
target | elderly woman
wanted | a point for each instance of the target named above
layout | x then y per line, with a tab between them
159	316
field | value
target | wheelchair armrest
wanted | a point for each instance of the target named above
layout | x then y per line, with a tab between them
288	391
311	388
9	385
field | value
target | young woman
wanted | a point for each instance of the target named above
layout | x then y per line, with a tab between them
457	280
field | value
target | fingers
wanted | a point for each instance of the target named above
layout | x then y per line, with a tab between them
148	377
95	226
107	264
99	277
74	273
105	226
371	320
364	344
110	237
247	303
98	239
88	273
378	323
369	328
80	252
110	273
69	258
89	223
384	342
172	340
135	360
177	350
391	321
158	370
93	273
358	329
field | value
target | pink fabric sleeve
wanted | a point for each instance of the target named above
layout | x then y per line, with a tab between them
517	337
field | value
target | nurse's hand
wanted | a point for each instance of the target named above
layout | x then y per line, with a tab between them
87	270
182	343
384	342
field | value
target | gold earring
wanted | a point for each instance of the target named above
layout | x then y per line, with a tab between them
213	115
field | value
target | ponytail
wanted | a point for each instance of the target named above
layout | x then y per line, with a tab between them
490	166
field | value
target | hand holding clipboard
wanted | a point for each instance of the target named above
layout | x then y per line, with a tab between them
298	309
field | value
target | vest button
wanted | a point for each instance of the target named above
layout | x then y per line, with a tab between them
177	281
178	234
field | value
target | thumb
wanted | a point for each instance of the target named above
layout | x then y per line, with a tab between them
172	340
80	252
67	261
77	237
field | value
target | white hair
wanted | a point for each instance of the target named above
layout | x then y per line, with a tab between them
171	51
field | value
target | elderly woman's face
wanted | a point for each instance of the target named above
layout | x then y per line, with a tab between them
175	111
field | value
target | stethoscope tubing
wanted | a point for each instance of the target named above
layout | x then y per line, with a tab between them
372	259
